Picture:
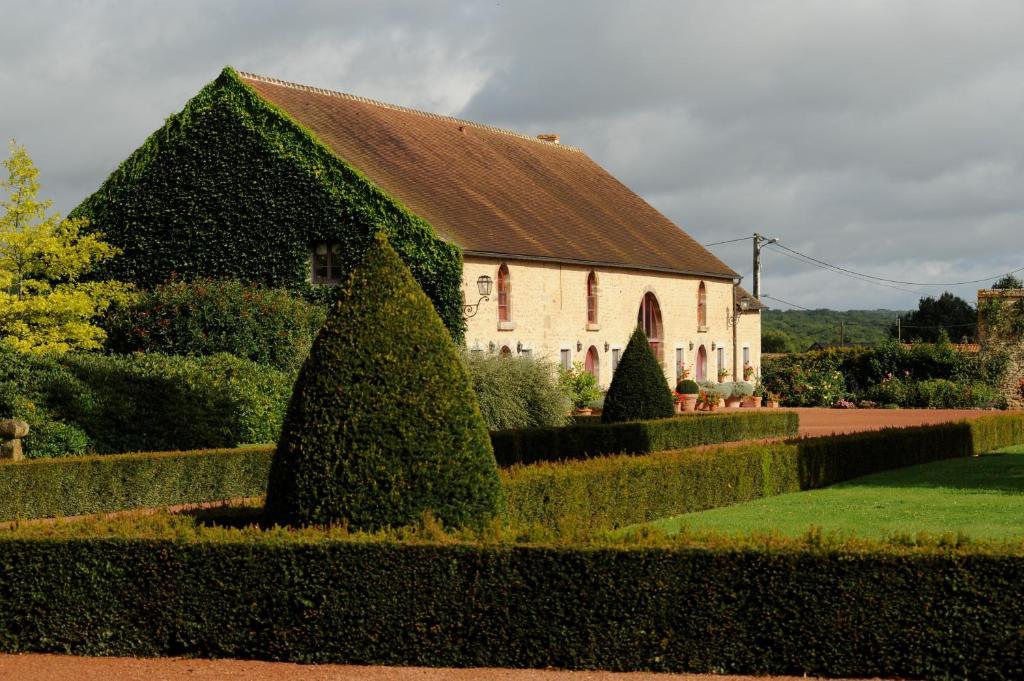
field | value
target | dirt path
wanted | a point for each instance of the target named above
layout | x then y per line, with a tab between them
66	668
816	422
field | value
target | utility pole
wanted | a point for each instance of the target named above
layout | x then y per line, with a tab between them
842	334
899	329
759	241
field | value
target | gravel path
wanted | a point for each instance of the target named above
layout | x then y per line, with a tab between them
66	668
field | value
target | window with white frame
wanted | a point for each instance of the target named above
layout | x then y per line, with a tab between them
680	364
566	359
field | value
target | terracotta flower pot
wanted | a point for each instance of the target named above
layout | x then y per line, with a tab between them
585	411
753	402
733	401
689	403
679	407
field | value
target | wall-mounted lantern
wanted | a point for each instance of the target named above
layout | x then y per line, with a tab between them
483	286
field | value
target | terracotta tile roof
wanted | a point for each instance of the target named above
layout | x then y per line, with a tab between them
492	191
739	293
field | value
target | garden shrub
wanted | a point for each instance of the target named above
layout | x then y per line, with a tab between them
210	316
383	424
638	390
232	187
821	377
687	387
591	438
88	402
517	392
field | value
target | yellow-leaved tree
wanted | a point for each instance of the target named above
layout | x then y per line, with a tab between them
45	305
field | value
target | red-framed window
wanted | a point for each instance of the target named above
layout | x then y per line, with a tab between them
591	298
702	305
504	294
648	318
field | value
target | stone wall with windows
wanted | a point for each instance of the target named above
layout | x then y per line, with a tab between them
548	316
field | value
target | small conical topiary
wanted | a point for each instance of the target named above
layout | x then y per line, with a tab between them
639	390
383	424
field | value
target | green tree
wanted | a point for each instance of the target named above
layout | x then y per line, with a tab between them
776	341
1009	281
383	424
639	390
947	316
45	306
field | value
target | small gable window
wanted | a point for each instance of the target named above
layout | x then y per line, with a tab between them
504	294
326	264
591	298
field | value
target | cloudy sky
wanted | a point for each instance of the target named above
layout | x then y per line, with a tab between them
883	137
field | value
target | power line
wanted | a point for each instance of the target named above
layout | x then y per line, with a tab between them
897	281
799	257
730	241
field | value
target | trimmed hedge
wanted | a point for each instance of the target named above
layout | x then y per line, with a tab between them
924	613
601	493
590	439
232	187
639	390
383	424
101	484
616	491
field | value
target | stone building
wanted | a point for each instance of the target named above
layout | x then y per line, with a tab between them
574	258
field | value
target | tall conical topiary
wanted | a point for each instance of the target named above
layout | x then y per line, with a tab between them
639	390
383	423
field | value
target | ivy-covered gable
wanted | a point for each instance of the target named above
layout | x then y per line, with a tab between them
232	187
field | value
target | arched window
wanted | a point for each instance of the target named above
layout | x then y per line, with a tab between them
593	363
504	294
702	364
649	319
702	306
591	298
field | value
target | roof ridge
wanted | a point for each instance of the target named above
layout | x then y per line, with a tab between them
404	109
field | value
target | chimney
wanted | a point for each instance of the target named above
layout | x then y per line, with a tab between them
548	137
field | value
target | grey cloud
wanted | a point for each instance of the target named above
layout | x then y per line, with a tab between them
882	136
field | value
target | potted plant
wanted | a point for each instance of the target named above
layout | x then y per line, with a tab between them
723	374
582	388
748	371
757	394
772	401
707	401
688	391
739	391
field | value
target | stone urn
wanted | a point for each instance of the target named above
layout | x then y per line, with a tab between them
732	402
11	433
689	403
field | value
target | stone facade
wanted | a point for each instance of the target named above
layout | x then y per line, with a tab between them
548	316
1001	329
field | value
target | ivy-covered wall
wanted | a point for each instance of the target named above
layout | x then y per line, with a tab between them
1001	332
232	187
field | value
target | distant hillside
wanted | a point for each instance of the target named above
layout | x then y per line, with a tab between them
797	330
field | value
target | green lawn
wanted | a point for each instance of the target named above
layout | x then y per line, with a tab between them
981	497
